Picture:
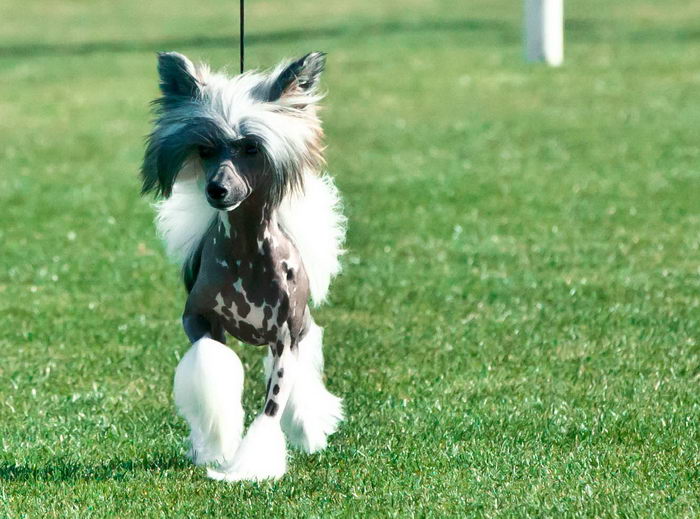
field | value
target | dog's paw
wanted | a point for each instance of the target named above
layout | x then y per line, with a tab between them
261	455
309	423
207	389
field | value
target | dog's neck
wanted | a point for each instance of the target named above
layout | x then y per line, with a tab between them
247	224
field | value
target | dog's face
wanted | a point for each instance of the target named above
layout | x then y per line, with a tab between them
233	169
250	135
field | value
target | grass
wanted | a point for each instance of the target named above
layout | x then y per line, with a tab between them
516	330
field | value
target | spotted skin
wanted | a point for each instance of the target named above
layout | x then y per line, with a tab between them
271	408
252	284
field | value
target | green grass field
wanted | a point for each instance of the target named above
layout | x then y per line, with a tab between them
516	329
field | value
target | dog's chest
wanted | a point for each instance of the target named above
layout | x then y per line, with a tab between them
257	293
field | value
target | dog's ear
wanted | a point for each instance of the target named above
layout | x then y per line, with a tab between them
178	76
298	78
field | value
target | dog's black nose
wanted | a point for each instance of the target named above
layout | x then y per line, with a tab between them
216	191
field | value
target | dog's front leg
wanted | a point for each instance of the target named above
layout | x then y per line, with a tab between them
207	389
312	412
197	326
263	451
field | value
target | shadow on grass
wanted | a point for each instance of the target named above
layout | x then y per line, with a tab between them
500	29
578	29
67	470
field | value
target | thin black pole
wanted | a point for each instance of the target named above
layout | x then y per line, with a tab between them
242	31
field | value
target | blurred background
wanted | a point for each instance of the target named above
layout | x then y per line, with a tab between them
516	329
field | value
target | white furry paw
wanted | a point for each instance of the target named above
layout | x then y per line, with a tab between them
261	455
207	389
311	417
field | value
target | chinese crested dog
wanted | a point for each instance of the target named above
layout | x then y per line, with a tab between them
257	228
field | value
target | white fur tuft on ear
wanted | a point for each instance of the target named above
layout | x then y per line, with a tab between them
300	76
315	222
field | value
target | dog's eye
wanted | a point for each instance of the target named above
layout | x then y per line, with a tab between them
206	152
250	148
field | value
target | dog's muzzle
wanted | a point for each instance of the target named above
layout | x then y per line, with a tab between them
226	192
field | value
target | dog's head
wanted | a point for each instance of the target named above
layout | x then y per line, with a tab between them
249	135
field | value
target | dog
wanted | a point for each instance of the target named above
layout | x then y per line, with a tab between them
257	225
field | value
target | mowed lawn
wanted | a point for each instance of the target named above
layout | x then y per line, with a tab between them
516	329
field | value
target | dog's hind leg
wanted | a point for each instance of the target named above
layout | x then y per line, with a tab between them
207	389
312	412
263	451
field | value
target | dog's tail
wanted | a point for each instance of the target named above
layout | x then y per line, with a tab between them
314	220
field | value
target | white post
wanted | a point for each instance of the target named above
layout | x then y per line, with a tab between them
544	31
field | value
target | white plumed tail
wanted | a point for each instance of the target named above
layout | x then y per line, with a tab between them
208	388
315	222
183	218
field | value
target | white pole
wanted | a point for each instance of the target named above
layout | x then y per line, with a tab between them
544	31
